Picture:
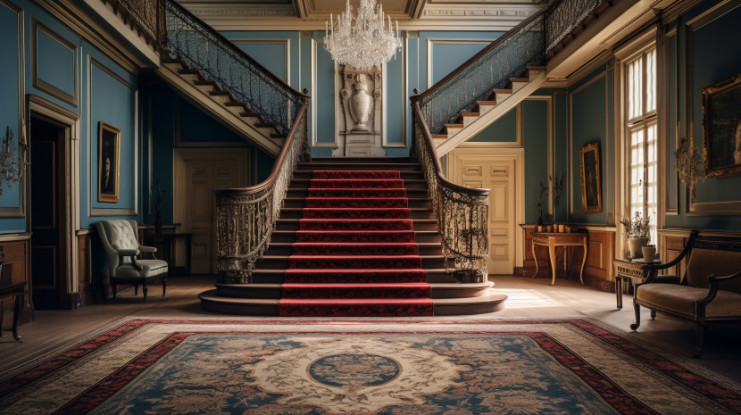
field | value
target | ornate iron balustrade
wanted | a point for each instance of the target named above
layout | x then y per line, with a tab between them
201	47
489	69
564	16
246	217
462	212
144	15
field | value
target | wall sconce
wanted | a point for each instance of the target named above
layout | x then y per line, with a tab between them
689	166
11	168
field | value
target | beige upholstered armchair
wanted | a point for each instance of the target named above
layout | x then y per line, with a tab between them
122	249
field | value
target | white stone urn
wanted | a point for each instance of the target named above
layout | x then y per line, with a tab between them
360	103
635	245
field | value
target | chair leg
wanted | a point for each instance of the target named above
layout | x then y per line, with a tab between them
653	314
699	339
164	285
637	309
114	289
144	291
136	289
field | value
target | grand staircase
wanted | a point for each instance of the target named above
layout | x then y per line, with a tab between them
356	237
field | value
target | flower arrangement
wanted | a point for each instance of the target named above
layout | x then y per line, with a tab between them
637	227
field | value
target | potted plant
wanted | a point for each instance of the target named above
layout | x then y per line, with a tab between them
638	233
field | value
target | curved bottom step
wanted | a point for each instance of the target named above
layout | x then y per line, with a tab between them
211	301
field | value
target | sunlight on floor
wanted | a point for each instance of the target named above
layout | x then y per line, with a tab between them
520	298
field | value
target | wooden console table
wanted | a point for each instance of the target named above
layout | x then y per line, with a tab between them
18	290
554	239
630	272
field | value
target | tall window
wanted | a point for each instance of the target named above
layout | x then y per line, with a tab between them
642	135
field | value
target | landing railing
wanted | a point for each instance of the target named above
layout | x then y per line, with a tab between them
461	212
562	17
489	69
245	218
194	42
145	15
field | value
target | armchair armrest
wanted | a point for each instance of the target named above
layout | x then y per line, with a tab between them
147	249
713	288
132	253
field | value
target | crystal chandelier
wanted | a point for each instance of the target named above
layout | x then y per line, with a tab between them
365	42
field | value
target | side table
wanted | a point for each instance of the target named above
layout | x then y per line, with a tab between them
629	271
554	239
18	290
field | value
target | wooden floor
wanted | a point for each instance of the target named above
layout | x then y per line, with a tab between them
54	331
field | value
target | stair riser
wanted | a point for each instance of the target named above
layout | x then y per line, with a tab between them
421	250
305	175
357	193
283	225
334	166
262	276
422	203
415	214
337	291
283	263
274	292
408	185
420	237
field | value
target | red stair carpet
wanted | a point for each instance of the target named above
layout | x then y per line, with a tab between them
355	252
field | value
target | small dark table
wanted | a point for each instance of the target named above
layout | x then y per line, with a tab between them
18	290
629	271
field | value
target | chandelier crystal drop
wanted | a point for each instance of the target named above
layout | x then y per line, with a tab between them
366	41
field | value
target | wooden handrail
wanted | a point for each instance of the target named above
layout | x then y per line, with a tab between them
278	161
438	168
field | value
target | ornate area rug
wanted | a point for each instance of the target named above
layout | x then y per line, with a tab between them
428	367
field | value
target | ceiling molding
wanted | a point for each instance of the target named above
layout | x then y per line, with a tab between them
458	15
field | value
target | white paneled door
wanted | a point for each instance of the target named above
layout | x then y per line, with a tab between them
198	174
498	171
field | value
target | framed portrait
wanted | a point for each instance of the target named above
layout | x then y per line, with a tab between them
591	183
721	120
109	158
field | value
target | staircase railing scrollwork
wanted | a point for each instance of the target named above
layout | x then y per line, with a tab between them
246	217
489	69
562	17
461	212
194	42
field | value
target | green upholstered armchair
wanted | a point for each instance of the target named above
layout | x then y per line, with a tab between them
122	250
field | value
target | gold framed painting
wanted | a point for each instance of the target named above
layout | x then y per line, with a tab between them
721	121
591	182
109	161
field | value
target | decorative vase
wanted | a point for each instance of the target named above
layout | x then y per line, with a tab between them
635	245
360	103
649	253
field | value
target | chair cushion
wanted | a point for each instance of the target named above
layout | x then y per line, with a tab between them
681	299
704	262
150	268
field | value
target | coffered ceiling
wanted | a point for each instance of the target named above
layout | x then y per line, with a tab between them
412	14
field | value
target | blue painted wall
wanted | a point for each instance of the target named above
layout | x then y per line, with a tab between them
57	67
9	108
591	106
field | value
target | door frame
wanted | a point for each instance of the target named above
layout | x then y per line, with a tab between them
40	108
181	156
497	151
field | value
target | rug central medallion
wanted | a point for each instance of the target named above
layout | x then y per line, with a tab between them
354	370
360	376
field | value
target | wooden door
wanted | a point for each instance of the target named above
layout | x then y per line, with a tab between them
47	214
497	173
206	171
